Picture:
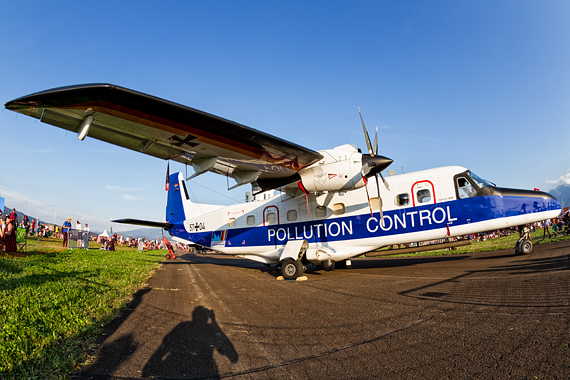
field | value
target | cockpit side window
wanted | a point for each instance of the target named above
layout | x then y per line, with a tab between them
465	186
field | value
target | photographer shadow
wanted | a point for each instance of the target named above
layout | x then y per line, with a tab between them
188	350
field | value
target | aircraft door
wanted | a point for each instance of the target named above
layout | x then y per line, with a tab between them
270	216
423	193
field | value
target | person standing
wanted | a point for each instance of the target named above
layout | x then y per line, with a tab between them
78	234
2	229
10	236
86	236
26	224
546	223
14	216
65	229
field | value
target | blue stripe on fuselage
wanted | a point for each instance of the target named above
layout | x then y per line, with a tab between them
405	220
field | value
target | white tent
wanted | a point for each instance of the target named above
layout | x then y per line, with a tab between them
104	234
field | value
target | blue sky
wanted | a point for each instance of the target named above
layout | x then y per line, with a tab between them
482	84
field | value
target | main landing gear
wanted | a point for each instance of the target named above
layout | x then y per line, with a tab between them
524	244
291	269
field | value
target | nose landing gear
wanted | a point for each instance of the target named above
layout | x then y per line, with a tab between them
524	244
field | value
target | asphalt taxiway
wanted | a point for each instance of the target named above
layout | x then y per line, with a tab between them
483	315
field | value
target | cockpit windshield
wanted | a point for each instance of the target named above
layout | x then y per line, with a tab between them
478	180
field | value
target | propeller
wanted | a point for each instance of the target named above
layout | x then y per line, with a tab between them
373	164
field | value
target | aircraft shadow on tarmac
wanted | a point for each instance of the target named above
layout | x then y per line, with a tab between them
227	260
475	292
275	271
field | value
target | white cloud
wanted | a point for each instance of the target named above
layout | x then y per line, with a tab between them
129	197
117	188
563	180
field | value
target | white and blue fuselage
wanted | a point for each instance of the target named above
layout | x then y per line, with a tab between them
424	205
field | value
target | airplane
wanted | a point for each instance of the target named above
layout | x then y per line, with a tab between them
325	212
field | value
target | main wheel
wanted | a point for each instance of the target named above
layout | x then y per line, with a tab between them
525	247
291	269
518	247
328	265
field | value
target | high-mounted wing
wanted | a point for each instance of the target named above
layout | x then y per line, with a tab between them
169	131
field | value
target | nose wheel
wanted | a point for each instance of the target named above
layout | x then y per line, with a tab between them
523	247
524	244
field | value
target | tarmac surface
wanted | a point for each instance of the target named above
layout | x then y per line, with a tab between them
489	315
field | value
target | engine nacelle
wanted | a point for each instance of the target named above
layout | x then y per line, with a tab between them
339	170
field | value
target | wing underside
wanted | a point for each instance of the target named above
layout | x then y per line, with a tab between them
168	131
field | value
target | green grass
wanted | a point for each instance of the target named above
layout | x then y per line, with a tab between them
501	243
54	302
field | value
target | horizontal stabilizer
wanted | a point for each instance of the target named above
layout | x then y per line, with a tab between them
146	223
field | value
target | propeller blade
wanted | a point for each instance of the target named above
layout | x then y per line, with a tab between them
376	142
366	168
368	143
385	183
379	200
367	195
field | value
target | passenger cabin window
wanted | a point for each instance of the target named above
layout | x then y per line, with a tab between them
423	196
251	220
291	215
320	211
270	218
465	189
375	204
338	208
403	199
231	222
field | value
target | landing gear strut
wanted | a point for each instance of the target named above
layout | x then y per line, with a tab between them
524	244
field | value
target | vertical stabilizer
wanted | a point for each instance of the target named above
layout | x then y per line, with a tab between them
177	197
179	207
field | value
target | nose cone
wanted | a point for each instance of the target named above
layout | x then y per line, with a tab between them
372	165
540	200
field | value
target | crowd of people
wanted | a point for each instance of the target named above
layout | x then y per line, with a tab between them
67	232
139	243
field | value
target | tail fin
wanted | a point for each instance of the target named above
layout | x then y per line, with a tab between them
179	207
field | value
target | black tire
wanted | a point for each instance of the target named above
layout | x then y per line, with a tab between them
340	264
291	269
328	265
525	247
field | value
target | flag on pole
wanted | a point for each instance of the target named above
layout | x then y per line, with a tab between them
167	175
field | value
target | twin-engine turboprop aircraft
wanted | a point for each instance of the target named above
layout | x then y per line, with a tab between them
326	212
